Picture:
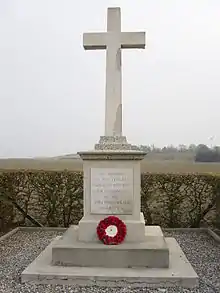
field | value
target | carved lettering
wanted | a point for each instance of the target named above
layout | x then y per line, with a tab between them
111	191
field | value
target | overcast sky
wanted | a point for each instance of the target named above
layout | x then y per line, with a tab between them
52	92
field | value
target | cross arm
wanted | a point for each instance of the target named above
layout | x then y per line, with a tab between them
94	41
131	40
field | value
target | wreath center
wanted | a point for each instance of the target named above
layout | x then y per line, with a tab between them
111	230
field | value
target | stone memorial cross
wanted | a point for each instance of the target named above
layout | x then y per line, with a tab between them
113	41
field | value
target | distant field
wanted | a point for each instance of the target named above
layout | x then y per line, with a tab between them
153	166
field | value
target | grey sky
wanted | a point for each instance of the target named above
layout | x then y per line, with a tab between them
52	91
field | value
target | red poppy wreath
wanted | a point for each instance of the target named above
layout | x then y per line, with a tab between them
111	230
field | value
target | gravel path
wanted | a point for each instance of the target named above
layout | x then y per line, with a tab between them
23	247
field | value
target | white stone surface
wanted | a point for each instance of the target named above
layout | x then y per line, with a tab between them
179	273
113	41
112	191
116	165
135	229
152	252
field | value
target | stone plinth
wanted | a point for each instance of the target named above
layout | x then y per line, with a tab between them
179	273
144	259
152	252
112	187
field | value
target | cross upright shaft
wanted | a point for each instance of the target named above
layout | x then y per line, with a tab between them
113	41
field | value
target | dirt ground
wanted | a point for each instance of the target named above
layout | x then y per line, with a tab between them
162	166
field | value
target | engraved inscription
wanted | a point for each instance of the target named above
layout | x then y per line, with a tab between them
111	191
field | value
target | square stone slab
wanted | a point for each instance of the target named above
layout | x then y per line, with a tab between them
180	272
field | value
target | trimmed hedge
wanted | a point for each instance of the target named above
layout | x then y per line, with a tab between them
56	199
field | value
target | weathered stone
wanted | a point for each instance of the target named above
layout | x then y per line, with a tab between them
152	252
113	41
180	272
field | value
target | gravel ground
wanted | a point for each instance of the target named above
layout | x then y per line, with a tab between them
22	248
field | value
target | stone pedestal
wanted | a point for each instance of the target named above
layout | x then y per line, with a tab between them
112	187
145	258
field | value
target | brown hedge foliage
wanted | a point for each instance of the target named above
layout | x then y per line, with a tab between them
175	200
50	198
56	199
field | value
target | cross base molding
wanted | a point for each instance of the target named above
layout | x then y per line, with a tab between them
114	143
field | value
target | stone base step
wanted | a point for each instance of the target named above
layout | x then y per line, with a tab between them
180	272
152	253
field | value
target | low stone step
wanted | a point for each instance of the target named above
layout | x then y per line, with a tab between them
179	273
152	253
